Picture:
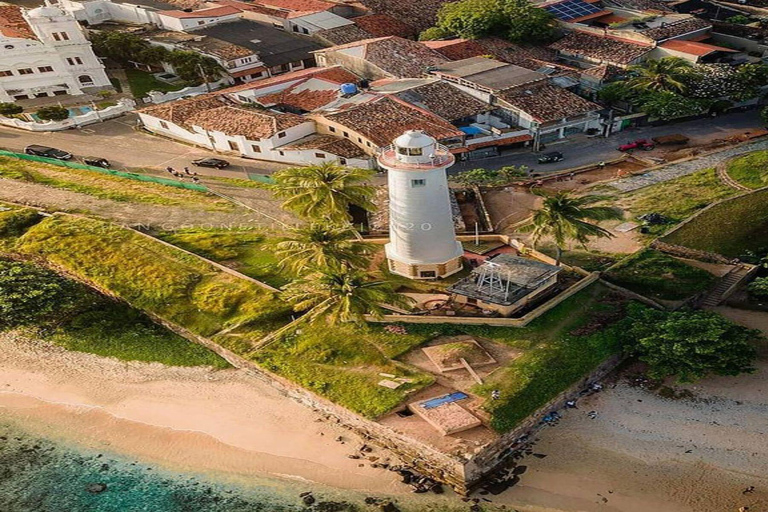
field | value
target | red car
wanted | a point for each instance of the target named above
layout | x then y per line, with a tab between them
645	144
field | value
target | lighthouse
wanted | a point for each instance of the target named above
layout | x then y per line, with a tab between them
422	240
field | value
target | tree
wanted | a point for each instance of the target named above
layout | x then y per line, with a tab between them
323	192
490	177
667	74
759	288
751	77
9	109
668	105
738	19
434	33
615	92
323	246
53	113
29	294
194	67
689	344
527	23
470	18
564	217
340	295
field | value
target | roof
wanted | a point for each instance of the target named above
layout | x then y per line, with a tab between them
281	8
643	5
444	100
573	11
547	102
13	24
520	277
217	47
383	120
381	25
676	28
395	56
253	124
307	95
213	12
489	73
334	74
602	48
342	35
328	143
421	15
179	111
323	20
602	72
274	47
456	49
693	47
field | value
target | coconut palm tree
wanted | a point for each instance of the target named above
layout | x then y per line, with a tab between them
321	245
564	217
339	295
667	74
323	192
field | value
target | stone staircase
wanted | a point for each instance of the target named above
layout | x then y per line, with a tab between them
716	295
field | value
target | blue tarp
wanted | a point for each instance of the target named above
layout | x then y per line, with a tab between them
441	400
471	130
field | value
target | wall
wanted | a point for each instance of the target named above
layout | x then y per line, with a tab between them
123	106
355	64
740	42
162	97
191	24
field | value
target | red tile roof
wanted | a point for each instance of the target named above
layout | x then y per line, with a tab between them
605	49
335	74
693	47
344	34
306	100
457	49
328	143
179	111
676	28
382	25
253	124
444	100
13	24
250	71
546	103
213	12
421	15
281	8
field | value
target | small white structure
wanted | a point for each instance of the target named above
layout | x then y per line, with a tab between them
422	241
44	52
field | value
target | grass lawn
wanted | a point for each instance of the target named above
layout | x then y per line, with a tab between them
730	228
677	199
142	83
750	170
105	186
659	276
246	250
591	261
14	222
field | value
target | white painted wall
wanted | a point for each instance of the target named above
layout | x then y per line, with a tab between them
123	106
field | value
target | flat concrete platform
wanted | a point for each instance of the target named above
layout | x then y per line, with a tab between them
448	418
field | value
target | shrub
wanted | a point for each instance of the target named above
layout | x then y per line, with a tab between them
9	109
53	113
759	288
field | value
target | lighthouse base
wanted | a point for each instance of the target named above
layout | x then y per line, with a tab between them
424	271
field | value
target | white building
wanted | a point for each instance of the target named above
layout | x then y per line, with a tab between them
422	241
44	52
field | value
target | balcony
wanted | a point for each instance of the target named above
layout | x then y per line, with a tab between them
387	157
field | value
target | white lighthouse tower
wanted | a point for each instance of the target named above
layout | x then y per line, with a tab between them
422	240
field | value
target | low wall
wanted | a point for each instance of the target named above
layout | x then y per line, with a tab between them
162	97
95	116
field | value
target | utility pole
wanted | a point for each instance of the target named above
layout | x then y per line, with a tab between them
204	76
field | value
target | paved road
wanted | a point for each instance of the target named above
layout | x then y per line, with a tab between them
118	141
582	150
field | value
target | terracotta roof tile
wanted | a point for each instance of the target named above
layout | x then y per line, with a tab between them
306	100
604	49
335	74
13	24
382	25
547	102
281	8
676	28
421	15
383	120
179	111
456	49
253	124
444	100
328	143
342	35
602	71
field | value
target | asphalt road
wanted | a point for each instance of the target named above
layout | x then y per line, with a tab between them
126	148
582	150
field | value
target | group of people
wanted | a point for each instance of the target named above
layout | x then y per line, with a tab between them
186	172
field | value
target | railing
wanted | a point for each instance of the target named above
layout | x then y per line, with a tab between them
442	157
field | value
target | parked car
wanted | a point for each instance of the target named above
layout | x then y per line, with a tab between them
644	144
48	152
96	161
554	156
217	163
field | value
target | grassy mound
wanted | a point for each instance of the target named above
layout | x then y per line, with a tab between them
750	170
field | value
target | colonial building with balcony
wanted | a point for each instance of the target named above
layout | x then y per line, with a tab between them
44	52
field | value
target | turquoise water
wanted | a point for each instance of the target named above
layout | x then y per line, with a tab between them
73	111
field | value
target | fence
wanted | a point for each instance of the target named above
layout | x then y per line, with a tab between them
94	116
121	174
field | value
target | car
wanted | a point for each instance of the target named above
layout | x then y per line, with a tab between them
644	144
554	156
48	152
96	161
217	163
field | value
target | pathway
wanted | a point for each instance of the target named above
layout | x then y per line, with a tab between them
722	173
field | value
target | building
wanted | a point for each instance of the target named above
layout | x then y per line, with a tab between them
422	241
45	53
299	16
505	284
185	21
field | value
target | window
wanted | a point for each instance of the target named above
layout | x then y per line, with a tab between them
282	153
305	30
74	61
201	22
319	155
343	161
345	134
164	125
45	69
64	36
281	135
368	143
56	36
255	148
295	28
427	273
6	72
330	128
85	80
21	97
59	93
26	71
233	145
360	140
410	151
418	183
60	36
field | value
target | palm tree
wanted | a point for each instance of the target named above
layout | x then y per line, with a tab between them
323	192
564	217
320	245
667	74
340	295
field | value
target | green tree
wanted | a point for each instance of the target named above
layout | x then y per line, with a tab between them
490	177
194	67
319	245
564	217
526	23
764	115
340	295
434	33
470	18
759	288
689	344
667	105
750	78
29	294
323	192
667	74
9	109
615	92
738	19
53	113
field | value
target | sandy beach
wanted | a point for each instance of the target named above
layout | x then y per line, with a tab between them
641	453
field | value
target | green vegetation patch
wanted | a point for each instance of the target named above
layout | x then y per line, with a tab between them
14	222
591	261
659	276
69	314
247	250
141	83
750	170
730	228
105	186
